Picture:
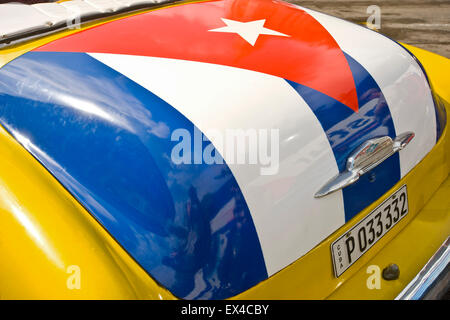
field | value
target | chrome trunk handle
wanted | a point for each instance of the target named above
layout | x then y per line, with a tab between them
366	157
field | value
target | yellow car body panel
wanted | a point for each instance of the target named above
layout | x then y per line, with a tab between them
52	244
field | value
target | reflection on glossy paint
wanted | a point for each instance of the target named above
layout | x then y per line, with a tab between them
31	227
96	97
85	106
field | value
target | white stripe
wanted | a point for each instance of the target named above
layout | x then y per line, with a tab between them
400	78
288	219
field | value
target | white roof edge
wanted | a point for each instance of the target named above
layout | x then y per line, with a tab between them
43	18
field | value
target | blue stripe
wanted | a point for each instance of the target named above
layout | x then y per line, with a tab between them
346	130
107	140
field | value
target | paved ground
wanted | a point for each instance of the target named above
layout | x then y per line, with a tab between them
422	23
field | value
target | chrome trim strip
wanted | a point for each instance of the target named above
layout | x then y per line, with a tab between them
430	277
41	19
366	157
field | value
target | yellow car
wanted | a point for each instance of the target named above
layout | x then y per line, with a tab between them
219	149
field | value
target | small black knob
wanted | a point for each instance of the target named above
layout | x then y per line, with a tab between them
391	272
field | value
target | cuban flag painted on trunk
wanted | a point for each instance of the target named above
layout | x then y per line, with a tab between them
97	108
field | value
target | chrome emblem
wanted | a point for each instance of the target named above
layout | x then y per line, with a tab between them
366	157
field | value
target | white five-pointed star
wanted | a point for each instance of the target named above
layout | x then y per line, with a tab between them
249	31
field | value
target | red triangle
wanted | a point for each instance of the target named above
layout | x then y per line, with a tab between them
310	56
